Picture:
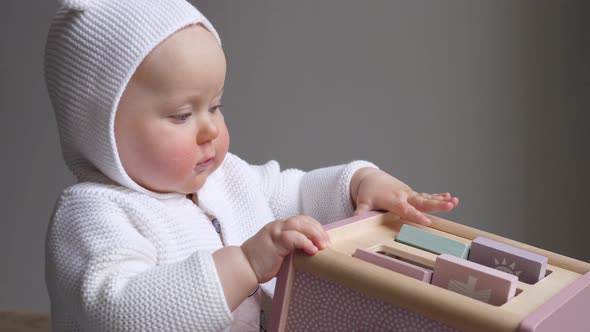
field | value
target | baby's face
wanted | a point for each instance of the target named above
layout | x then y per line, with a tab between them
169	128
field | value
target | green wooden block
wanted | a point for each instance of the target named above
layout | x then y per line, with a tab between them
434	243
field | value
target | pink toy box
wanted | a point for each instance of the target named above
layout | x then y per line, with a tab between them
336	291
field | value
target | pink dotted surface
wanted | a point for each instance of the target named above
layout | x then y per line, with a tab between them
321	305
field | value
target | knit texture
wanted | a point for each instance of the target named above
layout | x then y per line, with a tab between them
120	257
92	50
121	260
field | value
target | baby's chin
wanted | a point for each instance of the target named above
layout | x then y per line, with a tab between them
188	187
184	184
199	180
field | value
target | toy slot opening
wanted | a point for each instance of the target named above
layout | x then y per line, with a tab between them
389	254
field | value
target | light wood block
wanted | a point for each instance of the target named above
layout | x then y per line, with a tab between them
434	243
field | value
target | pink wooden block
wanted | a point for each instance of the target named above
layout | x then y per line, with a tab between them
394	264
474	280
527	266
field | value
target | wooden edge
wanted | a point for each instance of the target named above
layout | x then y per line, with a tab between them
423	260
470	233
282	296
425	299
352	227
351	220
530	295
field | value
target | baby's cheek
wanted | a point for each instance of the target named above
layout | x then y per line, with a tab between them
222	143
176	162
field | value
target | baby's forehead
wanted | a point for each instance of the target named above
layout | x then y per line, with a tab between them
189	48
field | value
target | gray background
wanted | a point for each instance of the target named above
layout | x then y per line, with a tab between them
486	99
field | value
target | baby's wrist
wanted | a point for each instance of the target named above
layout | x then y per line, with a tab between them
248	262
248	270
236	274
357	179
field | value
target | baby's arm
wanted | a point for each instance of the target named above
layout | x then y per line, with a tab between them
323	193
333	193
258	259
100	266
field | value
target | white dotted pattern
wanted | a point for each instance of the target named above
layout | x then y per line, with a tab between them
320	305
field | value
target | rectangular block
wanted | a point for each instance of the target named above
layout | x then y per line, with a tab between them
394	264
474	280
528	267
431	242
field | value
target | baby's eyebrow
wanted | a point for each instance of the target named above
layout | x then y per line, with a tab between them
220	94
179	100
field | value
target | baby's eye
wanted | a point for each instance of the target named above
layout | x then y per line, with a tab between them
182	117
216	108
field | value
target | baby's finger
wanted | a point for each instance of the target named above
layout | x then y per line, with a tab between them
432	196
438	197
310	228
291	240
430	205
410	213
449	198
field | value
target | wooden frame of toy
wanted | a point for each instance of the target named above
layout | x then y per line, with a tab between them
369	279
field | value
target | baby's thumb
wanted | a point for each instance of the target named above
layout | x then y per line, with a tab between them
362	208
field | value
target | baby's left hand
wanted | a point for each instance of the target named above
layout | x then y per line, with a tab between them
373	189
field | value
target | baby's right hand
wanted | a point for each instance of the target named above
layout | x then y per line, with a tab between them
266	250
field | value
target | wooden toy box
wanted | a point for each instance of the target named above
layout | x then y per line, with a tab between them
334	291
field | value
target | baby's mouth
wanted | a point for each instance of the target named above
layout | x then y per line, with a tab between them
204	164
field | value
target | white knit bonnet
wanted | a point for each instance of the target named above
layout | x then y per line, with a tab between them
93	48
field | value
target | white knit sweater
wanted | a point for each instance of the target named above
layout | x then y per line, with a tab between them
123	260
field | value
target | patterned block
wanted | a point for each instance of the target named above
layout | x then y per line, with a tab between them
431	242
394	264
528	267
474	280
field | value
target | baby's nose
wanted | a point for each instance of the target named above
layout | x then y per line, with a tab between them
208	130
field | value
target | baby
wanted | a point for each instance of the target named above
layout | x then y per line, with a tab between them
166	230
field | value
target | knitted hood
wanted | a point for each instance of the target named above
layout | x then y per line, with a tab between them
92	50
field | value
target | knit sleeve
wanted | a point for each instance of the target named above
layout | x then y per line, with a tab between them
323	194
101	267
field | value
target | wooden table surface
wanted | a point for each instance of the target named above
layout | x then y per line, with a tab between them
12	321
